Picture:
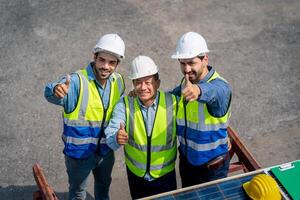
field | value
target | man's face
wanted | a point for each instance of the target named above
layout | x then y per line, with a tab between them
194	67
105	65
146	88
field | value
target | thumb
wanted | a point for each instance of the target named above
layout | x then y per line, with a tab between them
122	126
68	80
187	80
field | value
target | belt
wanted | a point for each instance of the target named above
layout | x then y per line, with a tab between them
217	162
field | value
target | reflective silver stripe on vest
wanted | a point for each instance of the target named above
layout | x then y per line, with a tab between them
152	167
143	148
85	95
79	122
203	147
131	117
201	126
80	141
169	105
120	83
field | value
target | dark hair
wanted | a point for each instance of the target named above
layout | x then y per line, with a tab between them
201	57
118	59
156	76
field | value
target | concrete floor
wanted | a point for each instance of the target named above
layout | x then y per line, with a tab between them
254	44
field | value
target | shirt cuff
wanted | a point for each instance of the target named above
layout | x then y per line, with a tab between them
112	142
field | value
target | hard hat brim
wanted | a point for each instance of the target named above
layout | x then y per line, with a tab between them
187	56
119	57
142	76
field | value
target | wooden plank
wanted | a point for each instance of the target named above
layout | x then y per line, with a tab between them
246	159
45	190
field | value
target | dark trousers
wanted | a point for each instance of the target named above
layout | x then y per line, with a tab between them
193	175
140	187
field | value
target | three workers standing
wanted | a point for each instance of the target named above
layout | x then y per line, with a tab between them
96	116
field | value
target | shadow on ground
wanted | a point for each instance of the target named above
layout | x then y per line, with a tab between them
26	192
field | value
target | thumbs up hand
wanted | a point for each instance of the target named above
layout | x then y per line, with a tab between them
61	90
190	91
122	136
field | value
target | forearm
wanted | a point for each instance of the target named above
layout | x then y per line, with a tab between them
69	101
118	117
217	95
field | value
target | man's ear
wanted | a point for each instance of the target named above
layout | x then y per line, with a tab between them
206	59
158	83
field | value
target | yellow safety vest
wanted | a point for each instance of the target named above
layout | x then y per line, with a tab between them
154	154
84	126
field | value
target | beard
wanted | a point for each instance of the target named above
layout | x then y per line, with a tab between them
194	76
102	73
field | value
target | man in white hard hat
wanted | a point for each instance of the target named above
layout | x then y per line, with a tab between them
88	97
146	126
203	113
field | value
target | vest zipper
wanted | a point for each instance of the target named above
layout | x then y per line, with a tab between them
149	137
105	111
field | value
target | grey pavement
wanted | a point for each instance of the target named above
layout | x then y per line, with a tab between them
255	45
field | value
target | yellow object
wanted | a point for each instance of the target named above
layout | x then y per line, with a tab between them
262	187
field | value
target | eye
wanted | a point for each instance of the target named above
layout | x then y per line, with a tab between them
101	59
113	63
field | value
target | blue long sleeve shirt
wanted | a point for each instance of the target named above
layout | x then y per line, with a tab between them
69	101
216	94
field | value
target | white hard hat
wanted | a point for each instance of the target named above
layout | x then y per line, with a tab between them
190	45
142	66
111	43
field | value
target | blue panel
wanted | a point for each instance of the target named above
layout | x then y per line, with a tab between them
230	190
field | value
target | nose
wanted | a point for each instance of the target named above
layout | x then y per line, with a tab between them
186	68
105	65
143	86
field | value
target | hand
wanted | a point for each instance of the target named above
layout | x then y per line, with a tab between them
122	136
61	90
132	94
191	91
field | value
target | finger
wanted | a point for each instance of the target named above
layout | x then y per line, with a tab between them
64	88
59	94
122	126
186	92
61	89
68	80
187	80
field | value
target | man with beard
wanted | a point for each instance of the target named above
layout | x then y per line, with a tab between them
203	113
88	97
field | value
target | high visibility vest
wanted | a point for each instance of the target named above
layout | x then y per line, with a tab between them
84	126
154	154
202	136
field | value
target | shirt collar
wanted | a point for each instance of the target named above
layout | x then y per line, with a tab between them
211	71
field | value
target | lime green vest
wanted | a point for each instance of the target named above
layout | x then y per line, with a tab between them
83	127
154	154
